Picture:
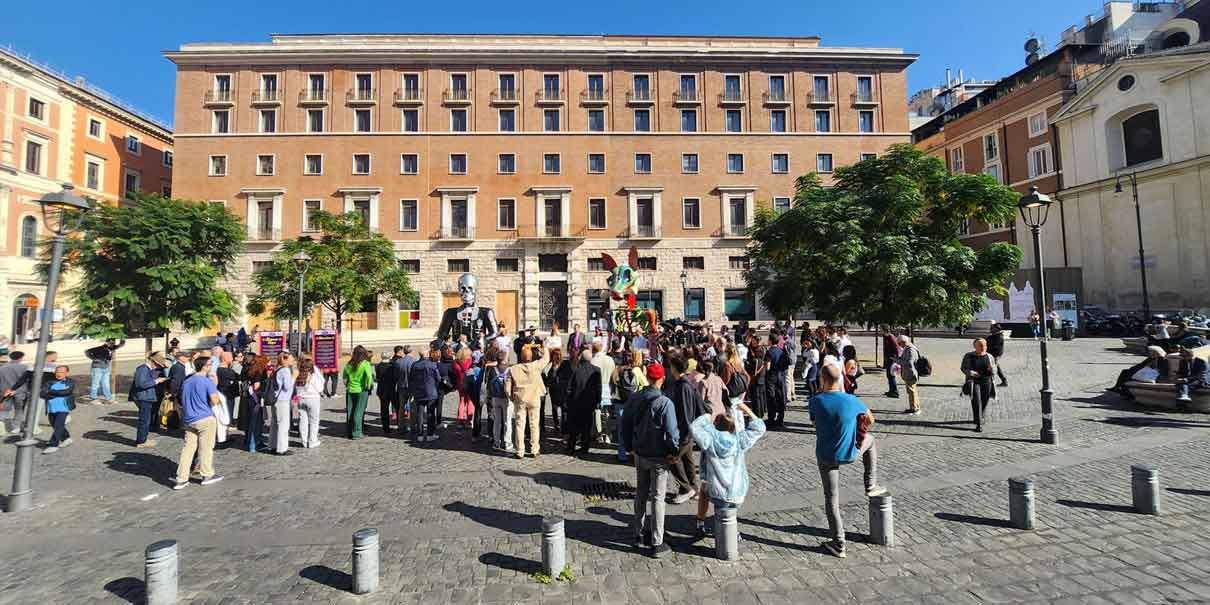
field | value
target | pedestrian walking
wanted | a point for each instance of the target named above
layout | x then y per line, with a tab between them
101	369
995	346
890	354
979	368
650	434
906	363
198	394
358	376
309	385
60	398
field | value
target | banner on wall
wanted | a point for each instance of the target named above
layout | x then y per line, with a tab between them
1020	302
325	350
270	343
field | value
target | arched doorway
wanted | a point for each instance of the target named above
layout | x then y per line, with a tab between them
25	317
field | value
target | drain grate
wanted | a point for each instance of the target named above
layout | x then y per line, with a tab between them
603	491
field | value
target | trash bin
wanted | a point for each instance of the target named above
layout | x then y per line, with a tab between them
1069	330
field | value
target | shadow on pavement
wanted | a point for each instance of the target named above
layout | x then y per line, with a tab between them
128	589
801	530
974	520
956	436
1101	506
510	562
595	533
155	467
110	436
1189	492
332	578
1152	421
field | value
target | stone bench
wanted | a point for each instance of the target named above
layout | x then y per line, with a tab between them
1162	395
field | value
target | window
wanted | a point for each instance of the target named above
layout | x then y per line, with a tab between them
166	189
361	163
166	159
956	164
695	304
993	170
731	88
865	121
781	163
313	163
132	181
508	86
92	174
315	120
596	163
222	121
409	265
688	120
823	120
458	120
550	86
1126	82
689	163
691	213
411	120
268	120
739	305
642	163
823	162
820	89
411	86
737	263
596	87
777	120
596	120
33	157
458	86
409	218
361	120
596	213
642	87
688	87
508	120
506	163
781	204
777	88
458	265
550	120
310	207
506	215
96	128
991	149
37	109
551	163
693	263
264	165
869	156
596	264
315	84
865	89
647	263
29	236
222	84
134	145
734	121
642	120
1141	137
457	163
268	86
409	163
735	163
1037	124
1039	161
508	265
365	84
218	165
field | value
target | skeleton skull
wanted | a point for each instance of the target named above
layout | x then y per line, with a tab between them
468	287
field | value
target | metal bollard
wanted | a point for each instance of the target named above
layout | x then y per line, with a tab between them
726	533
882	520
1021	502
160	573
1145	489
365	561
554	546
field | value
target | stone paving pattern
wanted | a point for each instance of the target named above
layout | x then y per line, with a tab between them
459	524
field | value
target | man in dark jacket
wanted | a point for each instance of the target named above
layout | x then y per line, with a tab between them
423	381
582	397
649	433
145	393
687	403
404	360
1192	375
101	358
775	379
387	382
14	389
995	346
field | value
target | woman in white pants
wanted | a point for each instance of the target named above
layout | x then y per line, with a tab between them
283	379
309	385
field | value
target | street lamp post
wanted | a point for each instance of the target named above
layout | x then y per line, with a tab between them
685	295
1138	223
1034	209
58	214
301	262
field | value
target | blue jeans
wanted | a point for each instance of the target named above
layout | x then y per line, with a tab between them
1037	330
256	423
100	377
618	412
147	410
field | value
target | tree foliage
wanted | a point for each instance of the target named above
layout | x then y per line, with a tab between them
349	264
143	267
881	245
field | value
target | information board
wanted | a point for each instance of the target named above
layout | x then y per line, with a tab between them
270	343
325	350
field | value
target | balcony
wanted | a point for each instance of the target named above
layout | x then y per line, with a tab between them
219	98
265	234
408	96
550	96
733	231
550	232
266	97
313	96
594	98
776	98
686	97
361	96
821	98
456	96
732	98
640	232
639	97
865	99
504	96
455	233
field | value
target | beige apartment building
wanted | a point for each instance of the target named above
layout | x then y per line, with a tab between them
523	158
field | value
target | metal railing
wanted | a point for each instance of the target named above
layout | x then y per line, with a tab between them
504	94
218	96
865	98
407	94
313	95
549	94
458	232
735	230
643	231
593	95
685	95
456	94
266	234
820	97
639	96
266	96
362	94
731	96
776	96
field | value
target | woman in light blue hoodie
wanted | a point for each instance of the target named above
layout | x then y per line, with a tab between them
724	440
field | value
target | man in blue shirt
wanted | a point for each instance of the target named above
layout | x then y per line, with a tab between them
198	393
838	441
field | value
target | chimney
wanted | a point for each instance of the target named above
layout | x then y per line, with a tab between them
961	75
948	79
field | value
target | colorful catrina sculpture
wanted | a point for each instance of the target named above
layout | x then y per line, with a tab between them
624	285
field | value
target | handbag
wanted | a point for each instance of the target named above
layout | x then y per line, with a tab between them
966	387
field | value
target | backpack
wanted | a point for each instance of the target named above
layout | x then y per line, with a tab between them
627	385
923	366
737	386
496	387
268	389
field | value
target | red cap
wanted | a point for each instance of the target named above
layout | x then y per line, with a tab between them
655	372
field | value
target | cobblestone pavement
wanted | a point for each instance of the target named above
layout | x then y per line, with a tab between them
461	525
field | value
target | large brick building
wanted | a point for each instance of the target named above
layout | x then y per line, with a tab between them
523	158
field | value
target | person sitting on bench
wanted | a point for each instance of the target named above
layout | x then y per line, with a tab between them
1192	375
1156	359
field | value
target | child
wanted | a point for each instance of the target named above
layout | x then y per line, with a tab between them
60	401
724	470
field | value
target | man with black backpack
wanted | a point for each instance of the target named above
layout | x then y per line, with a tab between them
911	363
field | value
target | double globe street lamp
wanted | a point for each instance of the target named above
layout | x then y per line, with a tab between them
62	213
302	262
1034	209
1138	223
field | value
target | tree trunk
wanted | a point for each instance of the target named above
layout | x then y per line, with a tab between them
147	344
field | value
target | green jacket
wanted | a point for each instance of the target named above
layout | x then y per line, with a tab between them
359	379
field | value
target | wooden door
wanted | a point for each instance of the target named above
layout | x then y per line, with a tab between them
506	309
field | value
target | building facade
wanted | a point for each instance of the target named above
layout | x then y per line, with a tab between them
522	159
56	130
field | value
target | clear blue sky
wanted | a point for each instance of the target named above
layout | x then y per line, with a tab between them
118	45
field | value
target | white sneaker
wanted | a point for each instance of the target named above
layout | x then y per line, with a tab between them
876	490
685	497
65	442
50	450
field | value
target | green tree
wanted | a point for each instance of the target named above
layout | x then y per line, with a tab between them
349	264
143	267
881	245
